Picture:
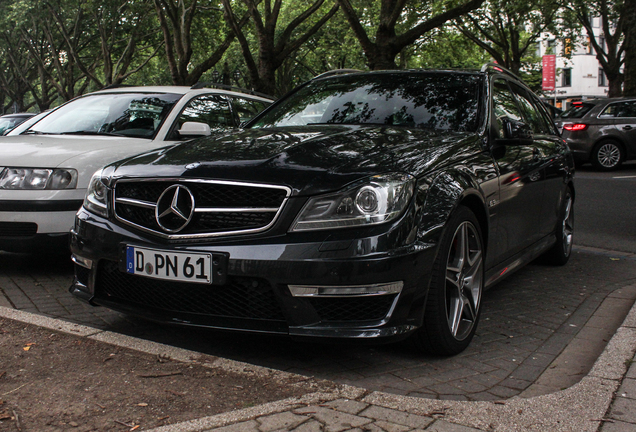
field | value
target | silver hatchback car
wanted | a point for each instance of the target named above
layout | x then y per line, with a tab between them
601	131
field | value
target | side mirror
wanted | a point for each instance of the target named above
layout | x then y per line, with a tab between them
194	129
516	132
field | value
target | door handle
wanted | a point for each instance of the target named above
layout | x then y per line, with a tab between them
628	127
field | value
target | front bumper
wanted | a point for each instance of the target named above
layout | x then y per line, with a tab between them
31	229
255	292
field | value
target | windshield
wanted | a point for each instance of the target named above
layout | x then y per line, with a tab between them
122	114
577	111
26	124
8	123
441	101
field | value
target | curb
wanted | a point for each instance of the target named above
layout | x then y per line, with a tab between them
580	407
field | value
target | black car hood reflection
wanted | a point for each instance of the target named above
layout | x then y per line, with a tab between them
309	159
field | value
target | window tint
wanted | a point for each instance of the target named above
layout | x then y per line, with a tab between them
211	109
545	114
532	117
246	109
577	110
610	111
504	105
8	123
125	114
627	109
440	101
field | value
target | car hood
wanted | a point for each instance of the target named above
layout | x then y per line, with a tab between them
84	153
309	159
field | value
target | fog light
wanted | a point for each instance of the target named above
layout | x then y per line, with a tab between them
346	290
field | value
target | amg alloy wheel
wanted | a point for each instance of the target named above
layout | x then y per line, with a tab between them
454	300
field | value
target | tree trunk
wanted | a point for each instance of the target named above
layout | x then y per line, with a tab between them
615	82
381	59
629	88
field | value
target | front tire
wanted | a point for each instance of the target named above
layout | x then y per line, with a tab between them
454	299
562	249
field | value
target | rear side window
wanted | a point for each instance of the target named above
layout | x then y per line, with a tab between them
626	109
577	110
620	109
246	109
214	110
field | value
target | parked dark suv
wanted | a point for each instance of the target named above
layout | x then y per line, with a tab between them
601	131
363	205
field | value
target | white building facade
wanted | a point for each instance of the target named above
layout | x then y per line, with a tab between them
579	76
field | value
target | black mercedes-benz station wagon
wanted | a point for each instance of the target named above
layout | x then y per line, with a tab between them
362	205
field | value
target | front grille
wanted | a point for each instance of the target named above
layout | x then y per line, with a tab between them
207	194
219	207
233	220
18	229
353	308
238	298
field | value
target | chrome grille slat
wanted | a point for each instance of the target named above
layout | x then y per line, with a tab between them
219	206
137	203
235	210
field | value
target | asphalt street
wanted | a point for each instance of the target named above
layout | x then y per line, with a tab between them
605	208
523	346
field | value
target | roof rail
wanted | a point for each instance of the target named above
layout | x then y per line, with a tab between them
336	72
498	68
219	86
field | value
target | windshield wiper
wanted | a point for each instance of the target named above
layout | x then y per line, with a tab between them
92	133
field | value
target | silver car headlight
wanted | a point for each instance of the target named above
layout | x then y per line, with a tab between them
96	197
37	178
380	199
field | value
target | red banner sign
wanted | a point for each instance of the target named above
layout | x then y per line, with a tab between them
549	72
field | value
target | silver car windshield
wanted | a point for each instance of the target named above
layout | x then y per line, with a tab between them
121	114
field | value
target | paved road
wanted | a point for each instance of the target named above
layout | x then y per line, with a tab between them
528	321
605	205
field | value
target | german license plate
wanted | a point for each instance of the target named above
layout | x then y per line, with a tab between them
169	265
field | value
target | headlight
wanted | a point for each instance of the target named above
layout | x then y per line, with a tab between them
380	199
38	178
96	196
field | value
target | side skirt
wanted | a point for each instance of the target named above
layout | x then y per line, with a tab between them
506	268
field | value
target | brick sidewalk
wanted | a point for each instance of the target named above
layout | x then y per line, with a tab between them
527	321
582	407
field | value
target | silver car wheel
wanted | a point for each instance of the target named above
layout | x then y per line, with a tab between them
609	155
464	280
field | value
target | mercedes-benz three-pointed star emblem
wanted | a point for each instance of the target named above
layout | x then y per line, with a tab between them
175	208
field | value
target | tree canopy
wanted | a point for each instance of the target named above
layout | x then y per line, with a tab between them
54	50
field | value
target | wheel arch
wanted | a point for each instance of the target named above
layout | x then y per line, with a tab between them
446	192
477	206
570	185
